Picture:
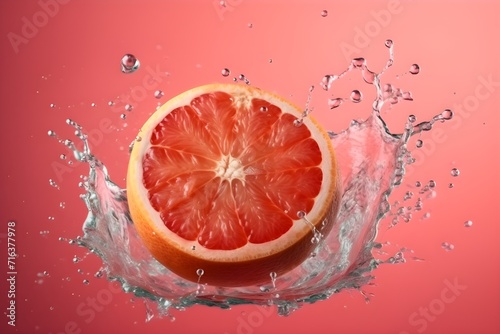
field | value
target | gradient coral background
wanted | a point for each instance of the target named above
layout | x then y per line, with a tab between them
71	59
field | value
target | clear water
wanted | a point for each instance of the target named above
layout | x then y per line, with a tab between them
372	161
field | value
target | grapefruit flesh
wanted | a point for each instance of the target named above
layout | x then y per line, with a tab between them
221	179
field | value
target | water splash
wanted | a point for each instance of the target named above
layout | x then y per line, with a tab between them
372	160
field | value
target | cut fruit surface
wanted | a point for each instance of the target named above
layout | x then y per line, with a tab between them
230	179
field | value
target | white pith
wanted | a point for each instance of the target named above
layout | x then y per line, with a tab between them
230	168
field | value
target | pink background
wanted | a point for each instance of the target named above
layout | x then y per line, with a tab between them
72	58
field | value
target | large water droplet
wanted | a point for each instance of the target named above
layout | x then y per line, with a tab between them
414	69
130	63
225	72
356	96
447	114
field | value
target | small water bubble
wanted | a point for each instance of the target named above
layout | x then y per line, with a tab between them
356	96
51	308
53	183
62	205
270	60
51	218
241	77
250	25
298	122
129	107
62	157
264	109
418	184
407	96
447	246
301	214
76	259
111	103
358	62
51	133
412	118
335	102
468	223
86	282
159	94
432	184
324	13
200	272
222	3
388	43
99	274
414	69
225	72
451	185
93	104
419	143
129	63
455	172
193	247
123	116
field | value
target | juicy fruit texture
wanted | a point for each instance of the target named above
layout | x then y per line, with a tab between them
221	179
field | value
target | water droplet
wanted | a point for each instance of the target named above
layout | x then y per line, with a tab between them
301	214
388	43
356	96
447	114
273	276
62	205
99	274
51	218
241	77
62	157
111	103
130	63
450	185
52	105
326	82
432	184
455	172
51	308
92	104
193	247
335	102
324	13
159	94
270	60
51	133
298	122
468	223
414	69
447	246
86	281
412	118
129	107
76	259
53	183
250	25
264	109
358	62
222	3
419	143
225	72
200	272
123	116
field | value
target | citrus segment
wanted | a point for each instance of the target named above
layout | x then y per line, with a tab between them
218	179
